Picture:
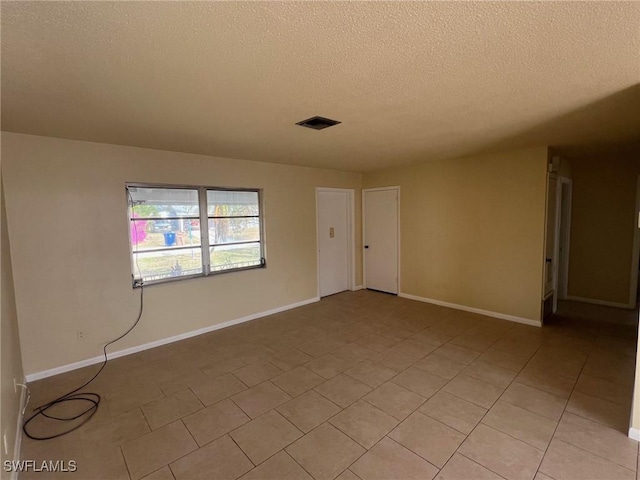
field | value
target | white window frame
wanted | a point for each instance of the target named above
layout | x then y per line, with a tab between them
205	245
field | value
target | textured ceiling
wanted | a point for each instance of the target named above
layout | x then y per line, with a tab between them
409	81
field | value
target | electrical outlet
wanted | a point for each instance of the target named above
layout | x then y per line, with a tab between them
80	334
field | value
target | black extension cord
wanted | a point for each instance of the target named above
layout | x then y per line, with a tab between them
93	399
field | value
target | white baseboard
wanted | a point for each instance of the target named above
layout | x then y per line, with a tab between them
634	434
18	438
502	316
595	301
358	287
128	351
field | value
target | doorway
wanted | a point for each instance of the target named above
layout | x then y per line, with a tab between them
381	232
634	287
557	241
335	240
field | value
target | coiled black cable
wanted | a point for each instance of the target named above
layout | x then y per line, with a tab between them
93	399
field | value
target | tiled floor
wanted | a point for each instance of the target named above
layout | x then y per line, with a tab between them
364	385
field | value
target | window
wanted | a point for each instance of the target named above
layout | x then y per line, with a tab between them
167	241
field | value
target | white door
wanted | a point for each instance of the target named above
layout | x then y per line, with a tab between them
333	242
381	239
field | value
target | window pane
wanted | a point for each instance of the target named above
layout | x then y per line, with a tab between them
167	264
221	203
226	257
150	234
164	202
229	230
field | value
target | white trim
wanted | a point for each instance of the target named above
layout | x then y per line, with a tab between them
358	287
502	316
18	438
128	351
565	236
635	256
351	237
595	301
364	203
634	434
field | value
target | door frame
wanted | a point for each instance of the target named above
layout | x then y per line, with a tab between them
351	244
635	257
364	220
563	237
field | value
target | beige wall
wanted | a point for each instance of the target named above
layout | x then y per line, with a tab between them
472	230
602	227
66	210
10	344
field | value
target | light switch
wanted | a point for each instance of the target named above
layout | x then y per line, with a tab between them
332	232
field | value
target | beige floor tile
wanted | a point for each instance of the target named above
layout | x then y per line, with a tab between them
329	365
222	366
432	337
355	353
163	474
390	460
565	461
217	389
325	452
521	424
279	467
476	391
547	381
505	360
502	454
289	359
343	390
364	423
165	410
607	413
264	436
599	440
432	440
219	460
472	342
256	373
113	431
395	333
371	373
604	389
542	476
297	381
453	411
376	342
440	365
191	378
154	450
395	359
460	467
459	354
498	376
394	400
260	399
348	475
534	400
308	410
419	381
214	421
132	397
